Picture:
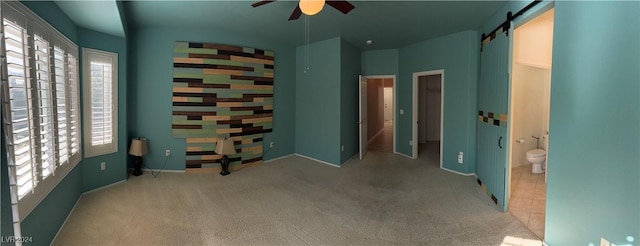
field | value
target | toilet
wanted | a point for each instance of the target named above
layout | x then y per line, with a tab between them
538	157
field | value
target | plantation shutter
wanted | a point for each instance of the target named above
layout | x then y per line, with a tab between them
20	105
101	103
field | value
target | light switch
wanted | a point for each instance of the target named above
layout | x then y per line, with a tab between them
401	111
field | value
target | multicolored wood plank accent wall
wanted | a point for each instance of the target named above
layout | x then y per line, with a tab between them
221	91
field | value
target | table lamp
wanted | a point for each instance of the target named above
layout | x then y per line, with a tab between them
225	147
138	149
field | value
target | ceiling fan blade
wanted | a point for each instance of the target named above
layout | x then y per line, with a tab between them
296	13
341	5
258	4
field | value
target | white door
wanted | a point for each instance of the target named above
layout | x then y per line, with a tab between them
388	103
363	116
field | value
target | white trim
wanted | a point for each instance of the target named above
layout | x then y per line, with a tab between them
414	117
510	120
164	170
405	155
374	136
89	55
395	104
66	219
160	170
314	159
456	172
278	158
103	187
363	123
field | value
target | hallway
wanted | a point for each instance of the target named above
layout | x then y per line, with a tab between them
383	142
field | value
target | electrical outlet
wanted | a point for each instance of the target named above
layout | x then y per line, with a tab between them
271	145
604	242
401	111
460	157
167	153
410	142
103	166
342	148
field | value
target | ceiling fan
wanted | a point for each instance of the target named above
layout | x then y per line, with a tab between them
341	5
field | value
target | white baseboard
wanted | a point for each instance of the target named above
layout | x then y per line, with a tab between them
314	159
158	170
456	172
278	158
164	171
103	187
67	218
402	154
374	136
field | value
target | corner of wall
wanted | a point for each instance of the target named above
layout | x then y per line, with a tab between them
350	69
472	94
116	163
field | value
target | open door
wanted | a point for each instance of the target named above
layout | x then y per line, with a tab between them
493	103
363	116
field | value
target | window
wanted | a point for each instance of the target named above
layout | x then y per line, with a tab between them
39	100
100	102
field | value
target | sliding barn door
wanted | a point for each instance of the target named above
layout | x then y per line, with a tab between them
493	95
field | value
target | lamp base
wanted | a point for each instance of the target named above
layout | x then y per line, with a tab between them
224	163
137	166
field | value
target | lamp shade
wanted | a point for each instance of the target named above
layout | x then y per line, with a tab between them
225	147
138	147
311	7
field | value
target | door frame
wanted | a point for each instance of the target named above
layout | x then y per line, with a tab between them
515	24
414	118
395	104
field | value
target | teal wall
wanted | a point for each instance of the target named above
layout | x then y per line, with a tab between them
46	219
593	187
457	54
349	91
380	62
327	100
116	164
318	101
151	85
51	13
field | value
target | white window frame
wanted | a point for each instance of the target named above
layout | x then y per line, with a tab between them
88	56
33	25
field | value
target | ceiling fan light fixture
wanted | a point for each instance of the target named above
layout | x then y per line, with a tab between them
311	7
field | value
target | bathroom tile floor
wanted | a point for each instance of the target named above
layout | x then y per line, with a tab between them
528	198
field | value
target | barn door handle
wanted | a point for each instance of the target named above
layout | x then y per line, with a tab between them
500	142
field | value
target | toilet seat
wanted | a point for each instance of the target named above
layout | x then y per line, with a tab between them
536	153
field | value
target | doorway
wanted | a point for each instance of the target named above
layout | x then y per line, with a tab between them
428	105
380	113
529	102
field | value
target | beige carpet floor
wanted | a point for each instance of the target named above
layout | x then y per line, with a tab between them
385	199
